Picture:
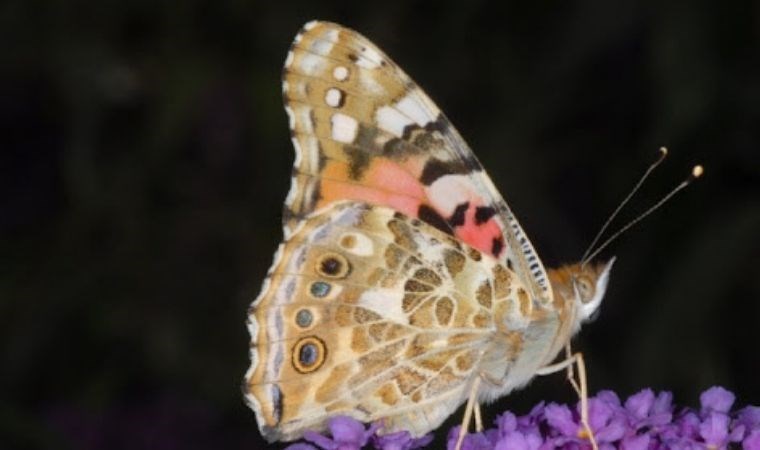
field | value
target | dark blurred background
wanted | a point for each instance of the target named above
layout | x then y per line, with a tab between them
144	158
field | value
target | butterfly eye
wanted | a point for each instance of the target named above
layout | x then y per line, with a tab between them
333	265
585	288
309	354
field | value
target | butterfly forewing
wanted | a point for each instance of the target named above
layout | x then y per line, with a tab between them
364	131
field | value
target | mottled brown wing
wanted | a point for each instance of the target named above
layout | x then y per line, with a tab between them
372	314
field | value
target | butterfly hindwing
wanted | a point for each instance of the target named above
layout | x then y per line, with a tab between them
362	130
370	313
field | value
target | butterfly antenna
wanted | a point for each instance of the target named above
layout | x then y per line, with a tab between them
663	154
696	172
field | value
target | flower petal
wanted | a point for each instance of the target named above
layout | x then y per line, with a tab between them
640	442
300	446
662	410
472	441
640	404
688	425
749	416
663	403
400	440
322	442
714	429
609	397
752	442
717	399
345	429
513	441
561	418
506	422
614	431
599	413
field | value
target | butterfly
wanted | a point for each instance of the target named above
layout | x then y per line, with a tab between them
404	280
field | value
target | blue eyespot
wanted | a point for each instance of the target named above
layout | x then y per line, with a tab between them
320	289
304	318
308	354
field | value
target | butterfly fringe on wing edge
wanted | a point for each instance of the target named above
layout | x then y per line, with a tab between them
403	275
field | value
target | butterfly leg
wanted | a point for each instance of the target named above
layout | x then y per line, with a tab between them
580	387
478	418
471	404
571	371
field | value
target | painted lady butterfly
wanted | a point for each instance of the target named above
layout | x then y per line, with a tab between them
404	279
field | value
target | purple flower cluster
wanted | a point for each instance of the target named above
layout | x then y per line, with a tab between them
349	434
645	421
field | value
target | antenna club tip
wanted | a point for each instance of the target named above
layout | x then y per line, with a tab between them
664	151
697	171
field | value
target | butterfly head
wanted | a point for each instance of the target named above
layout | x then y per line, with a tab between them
582	284
589	286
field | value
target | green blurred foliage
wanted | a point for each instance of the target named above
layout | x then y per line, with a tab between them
145	156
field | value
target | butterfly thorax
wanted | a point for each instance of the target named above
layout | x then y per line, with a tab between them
542	329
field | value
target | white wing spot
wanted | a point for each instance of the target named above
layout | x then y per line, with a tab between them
369	58
289	59
391	120
370	84
311	63
333	97
304	119
449	191
412	108
322	46
344	128
292	192
333	34
386	302
298	88
311	24
299	151
340	73
367	63
311	149
289	112
372	54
